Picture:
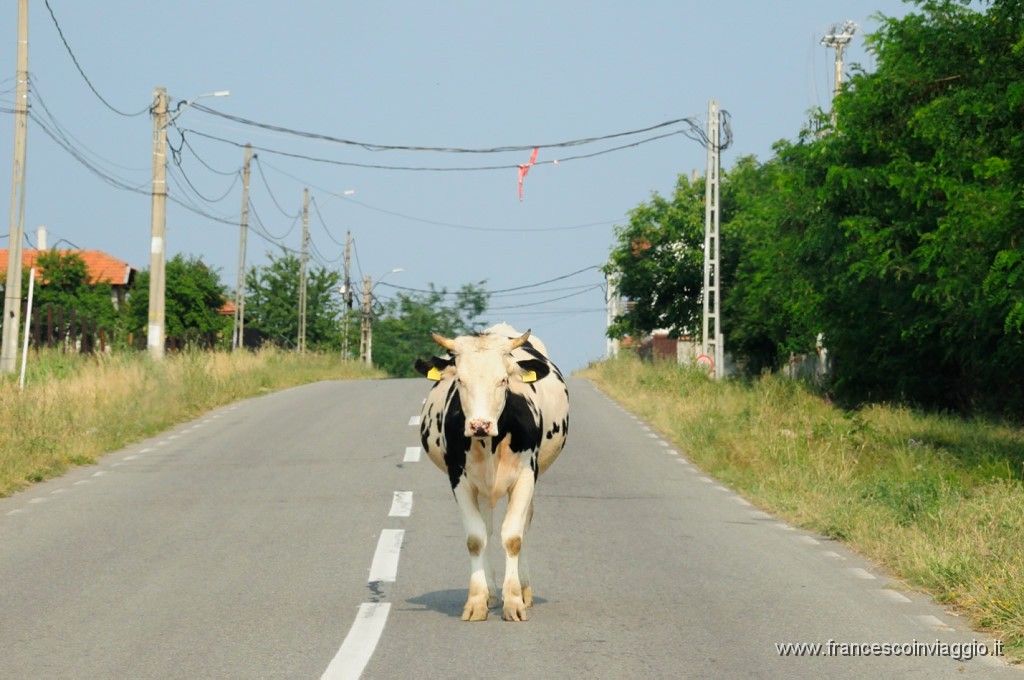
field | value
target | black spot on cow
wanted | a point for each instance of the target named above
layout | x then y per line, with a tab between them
518	420
457	443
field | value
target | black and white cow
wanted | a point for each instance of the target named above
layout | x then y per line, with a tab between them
495	420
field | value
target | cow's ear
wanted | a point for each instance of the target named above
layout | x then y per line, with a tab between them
532	370
432	367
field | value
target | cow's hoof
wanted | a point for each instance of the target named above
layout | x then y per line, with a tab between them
474	611
492	601
528	596
514	610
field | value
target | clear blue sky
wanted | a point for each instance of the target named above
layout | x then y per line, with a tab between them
437	74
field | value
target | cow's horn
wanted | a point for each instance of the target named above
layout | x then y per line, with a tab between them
447	343
521	340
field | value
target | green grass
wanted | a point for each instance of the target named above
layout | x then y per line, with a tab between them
74	408
938	501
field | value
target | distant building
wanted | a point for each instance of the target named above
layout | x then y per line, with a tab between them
102	268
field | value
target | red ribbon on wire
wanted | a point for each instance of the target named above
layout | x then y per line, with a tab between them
525	168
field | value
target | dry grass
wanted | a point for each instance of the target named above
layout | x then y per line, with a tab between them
74	409
938	501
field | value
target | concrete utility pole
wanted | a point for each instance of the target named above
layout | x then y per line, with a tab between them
302	270
613	305
347	293
366	324
237	336
711	338
12	295
158	229
838	39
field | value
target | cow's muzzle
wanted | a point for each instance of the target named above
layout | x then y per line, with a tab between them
481	427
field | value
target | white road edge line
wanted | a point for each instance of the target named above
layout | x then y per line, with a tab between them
360	643
412	454
385	559
401	504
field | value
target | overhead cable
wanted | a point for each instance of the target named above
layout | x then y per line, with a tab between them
369	146
82	72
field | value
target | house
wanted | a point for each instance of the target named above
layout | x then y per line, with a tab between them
102	268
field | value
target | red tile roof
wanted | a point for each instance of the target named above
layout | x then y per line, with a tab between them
100	265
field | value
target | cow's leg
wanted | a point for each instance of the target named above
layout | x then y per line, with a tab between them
476	543
512	531
487	512
524	567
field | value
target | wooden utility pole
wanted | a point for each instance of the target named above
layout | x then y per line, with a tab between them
347	293
155	335
366	324
12	295
302	270
712	328
238	334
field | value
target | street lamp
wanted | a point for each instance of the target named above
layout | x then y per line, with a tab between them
155	336
366	327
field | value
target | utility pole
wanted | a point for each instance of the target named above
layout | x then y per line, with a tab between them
158	229
239	329
839	38
302	270
366	324
12	296
347	292
613	305
712	330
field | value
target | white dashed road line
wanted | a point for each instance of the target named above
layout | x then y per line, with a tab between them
415	420
360	642
401	504
412	454
385	559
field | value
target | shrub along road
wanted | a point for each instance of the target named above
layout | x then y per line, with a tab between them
243	545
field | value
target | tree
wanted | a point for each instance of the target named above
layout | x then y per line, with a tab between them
65	283
401	331
924	187
194	299
272	303
659	263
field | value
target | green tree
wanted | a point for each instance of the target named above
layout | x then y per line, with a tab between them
924	187
402	327
65	283
194	299
272	303
658	263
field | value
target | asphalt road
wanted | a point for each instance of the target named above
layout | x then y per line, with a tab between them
267	540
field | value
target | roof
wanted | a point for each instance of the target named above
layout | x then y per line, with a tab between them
102	267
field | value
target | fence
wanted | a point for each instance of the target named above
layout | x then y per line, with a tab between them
66	329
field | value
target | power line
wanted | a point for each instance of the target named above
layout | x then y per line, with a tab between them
259	166
437	223
694	133
544	302
320	217
82	73
491	292
369	146
467	227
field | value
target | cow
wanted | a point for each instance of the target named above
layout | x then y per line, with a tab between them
495	420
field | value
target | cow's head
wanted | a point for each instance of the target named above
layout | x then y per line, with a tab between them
483	367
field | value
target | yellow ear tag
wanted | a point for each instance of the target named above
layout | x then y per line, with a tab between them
433	373
530	376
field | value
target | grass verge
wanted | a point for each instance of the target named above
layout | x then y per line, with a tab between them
938	501
74	409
